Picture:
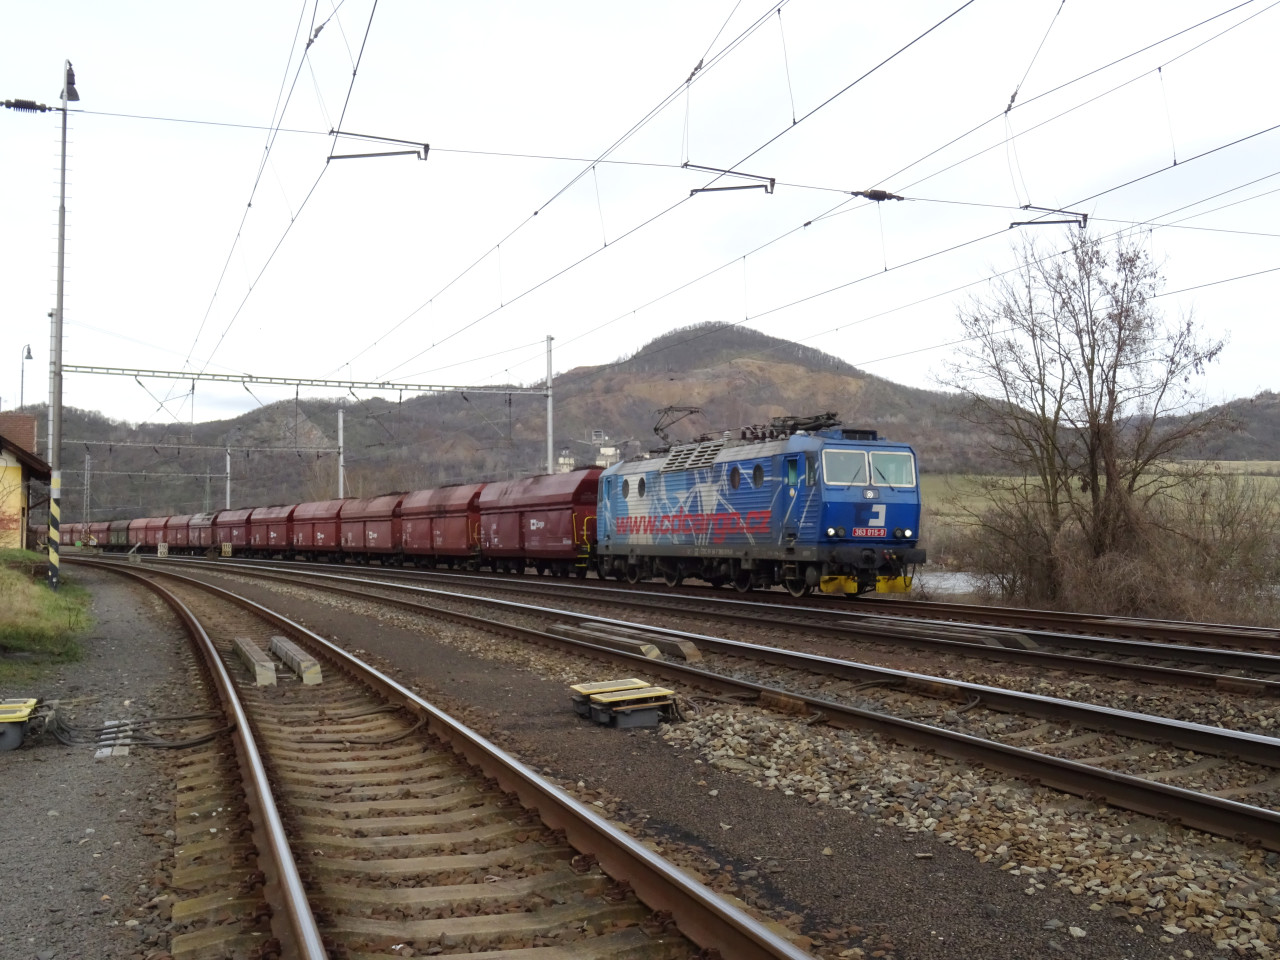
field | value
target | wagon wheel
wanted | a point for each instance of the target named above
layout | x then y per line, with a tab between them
11	735
797	587
633	573
673	579
742	581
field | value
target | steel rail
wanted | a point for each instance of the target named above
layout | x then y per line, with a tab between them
1129	626
1199	811
284	889
700	914
948	637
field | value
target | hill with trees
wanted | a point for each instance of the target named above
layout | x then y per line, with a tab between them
734	376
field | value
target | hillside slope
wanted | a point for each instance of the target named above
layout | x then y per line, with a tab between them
733	375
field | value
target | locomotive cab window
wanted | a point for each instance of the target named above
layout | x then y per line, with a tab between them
735	478
757	476
810	469
893	469
844	467
640	487
793	471
626	489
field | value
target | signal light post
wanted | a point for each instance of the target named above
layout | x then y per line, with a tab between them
68	94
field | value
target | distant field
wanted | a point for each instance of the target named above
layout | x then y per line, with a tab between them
949	496
946	494
1252	468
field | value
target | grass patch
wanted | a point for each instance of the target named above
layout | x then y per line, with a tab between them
37	626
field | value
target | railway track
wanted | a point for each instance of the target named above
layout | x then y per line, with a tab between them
350	818
1232	671
1135	761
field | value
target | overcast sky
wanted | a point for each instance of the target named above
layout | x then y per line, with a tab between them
186	251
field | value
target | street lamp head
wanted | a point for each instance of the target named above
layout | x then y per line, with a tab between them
27	352
69	85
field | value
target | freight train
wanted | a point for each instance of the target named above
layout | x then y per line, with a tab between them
803	503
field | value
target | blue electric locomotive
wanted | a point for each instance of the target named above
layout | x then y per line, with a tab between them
803	502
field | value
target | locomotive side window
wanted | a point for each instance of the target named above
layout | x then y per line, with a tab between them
626	489
844	467
793	471
757	476
735	477
640	487
893	469
810	470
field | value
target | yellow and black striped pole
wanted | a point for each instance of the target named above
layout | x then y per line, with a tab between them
55	519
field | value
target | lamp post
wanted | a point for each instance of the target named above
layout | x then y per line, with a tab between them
22	381
68	94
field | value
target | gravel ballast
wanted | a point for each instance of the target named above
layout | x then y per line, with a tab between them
864	847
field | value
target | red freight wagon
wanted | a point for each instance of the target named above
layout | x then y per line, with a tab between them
271	529
372	526
546	520
232	526
146	532
72	534
153	530
176	533
200	531
118	534
100	533
442	523
315	528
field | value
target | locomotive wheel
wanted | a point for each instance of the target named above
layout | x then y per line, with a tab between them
673	579
797	587
633	573
742	581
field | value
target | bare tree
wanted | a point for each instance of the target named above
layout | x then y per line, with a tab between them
1087	393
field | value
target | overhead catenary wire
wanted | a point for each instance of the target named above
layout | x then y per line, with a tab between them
245	319
565	382
700	70
831	99
342	116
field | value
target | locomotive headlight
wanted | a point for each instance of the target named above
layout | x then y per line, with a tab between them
839	531
898	532
870	493
831	531
906	534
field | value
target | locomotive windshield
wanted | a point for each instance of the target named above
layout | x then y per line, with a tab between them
844	467
893	469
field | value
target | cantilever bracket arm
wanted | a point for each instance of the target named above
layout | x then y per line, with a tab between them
1080	220
767	183
420	150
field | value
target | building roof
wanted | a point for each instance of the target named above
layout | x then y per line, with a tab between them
38	469
20	428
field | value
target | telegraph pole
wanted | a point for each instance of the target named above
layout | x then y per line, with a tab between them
84	510
551	462
55	335
55	363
